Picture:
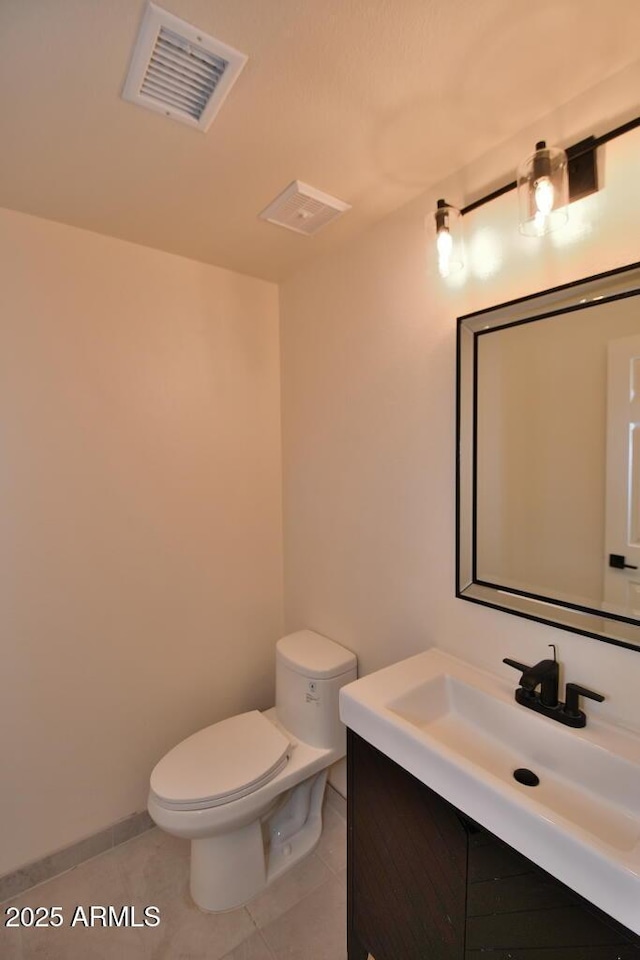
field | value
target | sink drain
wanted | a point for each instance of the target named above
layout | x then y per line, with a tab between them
527	777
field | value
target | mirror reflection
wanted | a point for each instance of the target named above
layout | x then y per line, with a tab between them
549	457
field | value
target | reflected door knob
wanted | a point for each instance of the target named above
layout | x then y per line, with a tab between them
618	561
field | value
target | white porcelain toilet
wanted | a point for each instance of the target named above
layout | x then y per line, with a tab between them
248	791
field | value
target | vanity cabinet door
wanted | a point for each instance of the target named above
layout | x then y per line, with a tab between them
517	911
407	862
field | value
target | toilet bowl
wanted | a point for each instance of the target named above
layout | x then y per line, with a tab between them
247	791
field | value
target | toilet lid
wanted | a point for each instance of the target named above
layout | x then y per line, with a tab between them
220	763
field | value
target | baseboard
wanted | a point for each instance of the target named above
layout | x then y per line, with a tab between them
12	884
338	776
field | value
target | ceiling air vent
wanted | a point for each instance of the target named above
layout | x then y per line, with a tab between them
178	70
303	208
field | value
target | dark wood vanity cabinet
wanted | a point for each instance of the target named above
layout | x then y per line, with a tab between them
427	883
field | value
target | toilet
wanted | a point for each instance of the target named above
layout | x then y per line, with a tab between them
247	791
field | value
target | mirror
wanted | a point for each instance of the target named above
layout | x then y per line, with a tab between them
548	477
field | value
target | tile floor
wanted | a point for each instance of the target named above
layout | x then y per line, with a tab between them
302	916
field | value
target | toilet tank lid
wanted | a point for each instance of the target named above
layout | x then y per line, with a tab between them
313	655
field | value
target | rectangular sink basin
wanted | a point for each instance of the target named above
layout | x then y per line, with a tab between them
591	787
459	730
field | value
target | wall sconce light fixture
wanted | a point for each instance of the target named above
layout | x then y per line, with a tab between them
449	242
548	181
543	191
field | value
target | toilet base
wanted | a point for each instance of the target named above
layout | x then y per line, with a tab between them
296	828
227	870
230	869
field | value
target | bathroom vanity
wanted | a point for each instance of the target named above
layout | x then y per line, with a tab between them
449	858
428	883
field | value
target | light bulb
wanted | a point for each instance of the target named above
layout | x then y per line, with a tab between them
544	195
539	223
448	239
444	243
543	190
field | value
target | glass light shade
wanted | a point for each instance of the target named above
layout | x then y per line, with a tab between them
449	244
543	191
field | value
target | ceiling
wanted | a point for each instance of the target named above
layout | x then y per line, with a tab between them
369	100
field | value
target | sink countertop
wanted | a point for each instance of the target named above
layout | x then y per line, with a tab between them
458	730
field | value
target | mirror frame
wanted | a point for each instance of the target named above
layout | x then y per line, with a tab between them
582	294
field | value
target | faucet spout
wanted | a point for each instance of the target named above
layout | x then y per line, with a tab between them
545	674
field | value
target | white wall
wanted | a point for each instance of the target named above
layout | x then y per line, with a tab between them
140	519
368	367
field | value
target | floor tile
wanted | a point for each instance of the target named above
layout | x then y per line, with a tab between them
95	883
315	929
152	864
254	948
187	932
10	938
288	890
80	943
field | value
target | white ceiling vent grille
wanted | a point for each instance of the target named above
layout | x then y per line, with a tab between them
178	70
303	208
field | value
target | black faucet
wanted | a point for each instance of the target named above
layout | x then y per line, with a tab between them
545	675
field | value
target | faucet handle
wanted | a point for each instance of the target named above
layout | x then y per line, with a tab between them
522	667
573	693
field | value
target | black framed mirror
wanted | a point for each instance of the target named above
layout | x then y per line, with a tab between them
548	457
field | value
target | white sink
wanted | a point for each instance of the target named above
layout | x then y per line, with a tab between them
459	730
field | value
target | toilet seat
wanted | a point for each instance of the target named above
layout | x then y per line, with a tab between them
221	763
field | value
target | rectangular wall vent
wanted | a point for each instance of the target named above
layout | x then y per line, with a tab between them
303	208
180	71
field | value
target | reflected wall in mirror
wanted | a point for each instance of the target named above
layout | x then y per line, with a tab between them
548	483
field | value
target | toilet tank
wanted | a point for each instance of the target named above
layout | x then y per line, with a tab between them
310	669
